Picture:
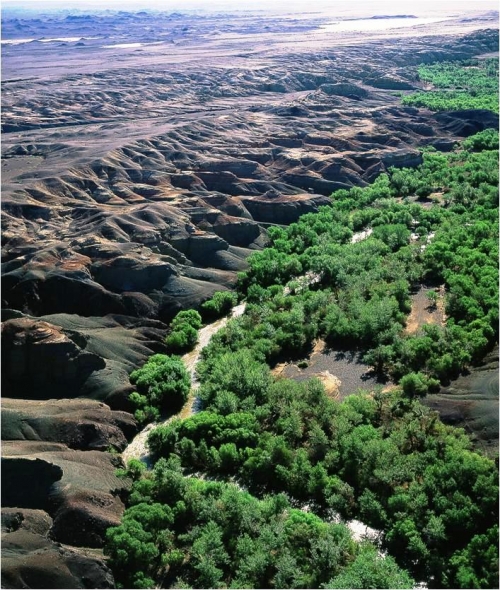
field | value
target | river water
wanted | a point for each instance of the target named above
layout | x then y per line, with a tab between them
137	449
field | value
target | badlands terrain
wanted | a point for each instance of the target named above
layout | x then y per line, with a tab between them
143	157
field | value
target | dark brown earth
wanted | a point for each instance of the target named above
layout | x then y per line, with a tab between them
138	190
136	180
64	355
349	373
471	402
53	496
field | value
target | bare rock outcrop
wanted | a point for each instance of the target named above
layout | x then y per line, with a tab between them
275	208
66	355
33	561
78	423
71	486
58	502
40	356
30	559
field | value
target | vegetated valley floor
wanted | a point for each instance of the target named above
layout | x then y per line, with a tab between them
143	157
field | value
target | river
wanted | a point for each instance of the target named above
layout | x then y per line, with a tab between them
137	449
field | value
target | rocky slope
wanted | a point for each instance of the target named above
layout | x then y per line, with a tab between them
471	402
57	502
64	355
161	222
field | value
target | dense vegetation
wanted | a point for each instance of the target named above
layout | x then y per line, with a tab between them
185	532
358	294
297	459
469	85
184	331
383	458
163	386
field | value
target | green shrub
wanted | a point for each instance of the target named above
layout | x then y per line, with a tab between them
190	317
418	384
163	383
182	340
184	335
219	305
484	140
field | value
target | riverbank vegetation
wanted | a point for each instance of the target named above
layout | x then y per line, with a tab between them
456	86
184	331
437	224
188	533
163	386
219	305
248	492
381	457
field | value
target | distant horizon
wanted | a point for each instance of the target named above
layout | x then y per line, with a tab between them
362	8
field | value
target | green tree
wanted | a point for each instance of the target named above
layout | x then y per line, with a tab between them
415	385
182	339
209	556
219	305
190	317
184	334
476	566
238	373
370	570
164	381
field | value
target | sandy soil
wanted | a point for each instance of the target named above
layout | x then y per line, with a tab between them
424	312
342	372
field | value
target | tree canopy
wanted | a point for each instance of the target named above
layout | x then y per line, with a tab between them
247	493
461	85
163	384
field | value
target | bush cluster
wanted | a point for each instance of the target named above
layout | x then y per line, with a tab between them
184	331
162	384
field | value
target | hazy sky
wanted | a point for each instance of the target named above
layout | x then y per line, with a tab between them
339	7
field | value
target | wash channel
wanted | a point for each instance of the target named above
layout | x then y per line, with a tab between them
138	449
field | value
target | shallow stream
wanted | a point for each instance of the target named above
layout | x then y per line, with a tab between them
137	448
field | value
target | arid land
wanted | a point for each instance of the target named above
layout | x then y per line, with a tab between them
143	157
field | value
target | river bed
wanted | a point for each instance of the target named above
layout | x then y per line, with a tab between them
137	449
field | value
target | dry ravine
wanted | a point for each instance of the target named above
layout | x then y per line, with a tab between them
137	449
